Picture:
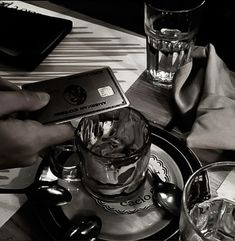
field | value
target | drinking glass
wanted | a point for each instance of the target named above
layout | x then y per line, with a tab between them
208	204
114	149
64	162
170	28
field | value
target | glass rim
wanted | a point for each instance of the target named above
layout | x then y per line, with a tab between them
146	143
176	11
201	169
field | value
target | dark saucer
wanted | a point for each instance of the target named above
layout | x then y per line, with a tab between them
135	219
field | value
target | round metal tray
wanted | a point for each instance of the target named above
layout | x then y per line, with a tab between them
135	219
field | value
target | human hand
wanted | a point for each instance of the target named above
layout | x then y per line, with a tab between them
22	140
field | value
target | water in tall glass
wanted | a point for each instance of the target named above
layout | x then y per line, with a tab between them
167	51
170	27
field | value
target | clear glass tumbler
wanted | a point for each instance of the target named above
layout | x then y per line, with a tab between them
208	204
170	28
114	150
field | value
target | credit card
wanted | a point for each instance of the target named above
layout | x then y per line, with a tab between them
78	95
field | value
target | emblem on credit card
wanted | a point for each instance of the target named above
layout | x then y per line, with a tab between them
78	95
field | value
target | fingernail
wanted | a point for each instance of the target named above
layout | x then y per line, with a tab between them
43	96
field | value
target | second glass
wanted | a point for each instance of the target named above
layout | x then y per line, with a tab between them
115	151
170	28
208	205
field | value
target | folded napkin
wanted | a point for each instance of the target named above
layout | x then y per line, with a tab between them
204	92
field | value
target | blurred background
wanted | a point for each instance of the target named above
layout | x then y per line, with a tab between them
217	26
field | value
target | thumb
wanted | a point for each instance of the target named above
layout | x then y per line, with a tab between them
22	100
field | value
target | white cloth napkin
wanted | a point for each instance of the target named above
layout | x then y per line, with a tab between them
205	90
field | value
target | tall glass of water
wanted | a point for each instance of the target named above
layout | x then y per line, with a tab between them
170	28
208	204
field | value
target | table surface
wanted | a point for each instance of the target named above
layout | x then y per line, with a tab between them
156	107
218	17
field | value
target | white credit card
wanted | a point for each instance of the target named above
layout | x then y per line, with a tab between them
78	95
